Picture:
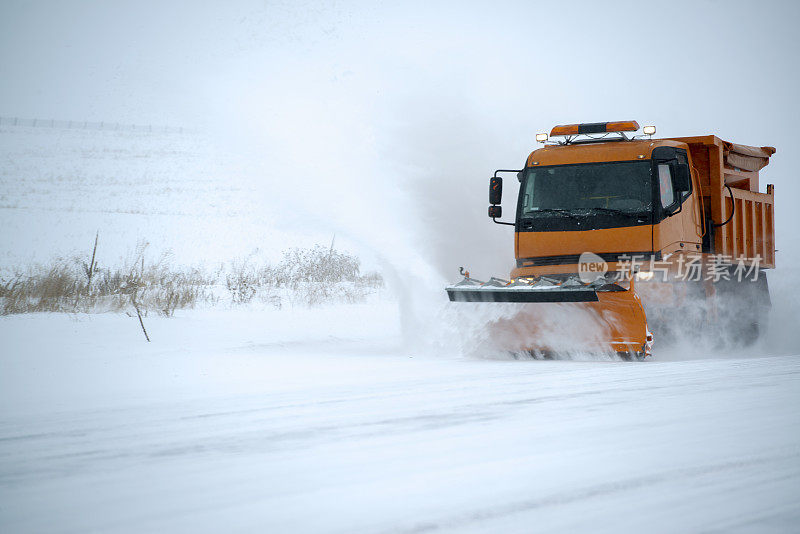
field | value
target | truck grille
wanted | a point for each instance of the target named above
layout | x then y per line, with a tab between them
572	259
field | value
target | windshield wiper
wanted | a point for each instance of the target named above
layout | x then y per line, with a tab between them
555	210
618	211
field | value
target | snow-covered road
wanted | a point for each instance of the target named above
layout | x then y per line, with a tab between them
282	432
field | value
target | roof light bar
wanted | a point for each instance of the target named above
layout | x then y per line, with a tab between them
594	128
622	126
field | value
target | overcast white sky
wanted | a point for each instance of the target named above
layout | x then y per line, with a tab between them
693	64
436	94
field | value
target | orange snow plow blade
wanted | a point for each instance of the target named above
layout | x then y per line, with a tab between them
598	317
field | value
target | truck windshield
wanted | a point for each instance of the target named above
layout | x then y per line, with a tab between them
603	187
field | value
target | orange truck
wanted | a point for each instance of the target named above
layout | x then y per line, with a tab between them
654	238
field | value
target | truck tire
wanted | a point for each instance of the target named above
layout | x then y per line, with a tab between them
742	310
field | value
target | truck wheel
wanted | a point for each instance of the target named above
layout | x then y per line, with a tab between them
742	310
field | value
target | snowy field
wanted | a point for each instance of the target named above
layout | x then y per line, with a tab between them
372	417
175	192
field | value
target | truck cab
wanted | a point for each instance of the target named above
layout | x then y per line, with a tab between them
616	199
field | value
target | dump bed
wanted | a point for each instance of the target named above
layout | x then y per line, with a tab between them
749	235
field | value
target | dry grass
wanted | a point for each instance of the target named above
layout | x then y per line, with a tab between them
304	276
310	276
64	287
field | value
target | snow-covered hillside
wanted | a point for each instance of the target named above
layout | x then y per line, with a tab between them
175	191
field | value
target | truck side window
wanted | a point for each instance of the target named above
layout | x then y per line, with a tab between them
682	160
665	185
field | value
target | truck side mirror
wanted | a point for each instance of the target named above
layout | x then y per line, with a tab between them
680	177
495	212
495	190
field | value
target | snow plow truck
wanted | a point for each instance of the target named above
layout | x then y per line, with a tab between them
651	238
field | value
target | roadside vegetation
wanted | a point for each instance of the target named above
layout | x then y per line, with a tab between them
304	277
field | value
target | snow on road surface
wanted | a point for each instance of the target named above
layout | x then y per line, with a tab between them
323	421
